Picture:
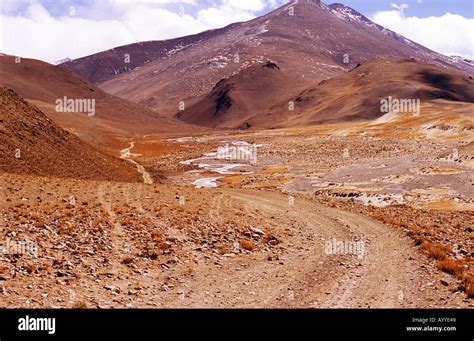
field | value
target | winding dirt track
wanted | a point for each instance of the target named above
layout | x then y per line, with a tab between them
303	275
125	154
307	276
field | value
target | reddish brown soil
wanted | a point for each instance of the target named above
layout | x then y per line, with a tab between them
31	143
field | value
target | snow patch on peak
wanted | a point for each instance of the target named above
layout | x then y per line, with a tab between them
63	61
346	13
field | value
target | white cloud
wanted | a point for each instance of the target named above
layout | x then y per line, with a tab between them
246	5
230	11
276	3
223	15
13	6
41	36
448	34
399	7
37	12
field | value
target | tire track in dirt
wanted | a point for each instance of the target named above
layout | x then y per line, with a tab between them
299	274
215	211
259	283
117	234
304	275
381	276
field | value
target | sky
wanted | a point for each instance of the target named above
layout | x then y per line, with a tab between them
51	30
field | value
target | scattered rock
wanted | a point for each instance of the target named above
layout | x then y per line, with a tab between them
247	244
256	230
112	288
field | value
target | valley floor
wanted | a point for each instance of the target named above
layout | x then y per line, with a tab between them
320	220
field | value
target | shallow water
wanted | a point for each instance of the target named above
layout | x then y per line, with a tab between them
207	182
213	162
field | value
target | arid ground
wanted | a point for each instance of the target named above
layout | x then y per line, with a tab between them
199	233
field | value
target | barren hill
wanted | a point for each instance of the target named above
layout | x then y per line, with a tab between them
42	84
31	143
357	95
236	100
241	101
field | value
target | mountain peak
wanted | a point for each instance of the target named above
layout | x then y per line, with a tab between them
307	38
310	2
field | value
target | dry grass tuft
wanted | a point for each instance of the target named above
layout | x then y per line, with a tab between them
451	266
469	286
435	251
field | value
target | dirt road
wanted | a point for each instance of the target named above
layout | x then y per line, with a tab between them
126	155
305	275
301	272
115	266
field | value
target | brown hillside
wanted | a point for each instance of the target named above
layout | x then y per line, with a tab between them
234	101
356	95
31	143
